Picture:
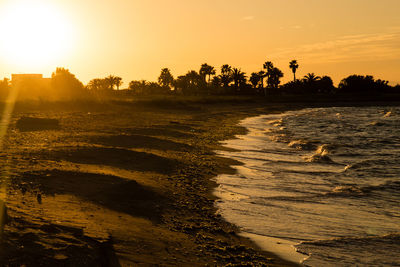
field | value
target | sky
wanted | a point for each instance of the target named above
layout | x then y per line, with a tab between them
134	39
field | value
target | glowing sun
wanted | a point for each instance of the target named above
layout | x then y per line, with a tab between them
33	33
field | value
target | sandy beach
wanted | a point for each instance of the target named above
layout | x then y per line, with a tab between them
123	184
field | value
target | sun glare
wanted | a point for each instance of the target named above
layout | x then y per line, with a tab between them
33	34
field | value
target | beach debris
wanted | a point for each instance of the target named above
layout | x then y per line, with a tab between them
36	124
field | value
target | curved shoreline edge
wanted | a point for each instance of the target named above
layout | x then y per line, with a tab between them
282	248
119	184
125	183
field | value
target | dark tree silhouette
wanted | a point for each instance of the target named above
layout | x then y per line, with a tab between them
166	79
97	84
311	84
262	75
325	85
226	75
216	81
358	84
294	66
139	87
207	70
274	77
255	79
118	82
268	66
112	81
65	85
311	78
239	78
189	83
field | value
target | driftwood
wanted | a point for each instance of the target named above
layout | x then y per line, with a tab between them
37	124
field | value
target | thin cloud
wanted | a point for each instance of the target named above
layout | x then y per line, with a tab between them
247	18
363	47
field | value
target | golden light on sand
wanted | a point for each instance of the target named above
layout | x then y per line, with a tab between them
33	34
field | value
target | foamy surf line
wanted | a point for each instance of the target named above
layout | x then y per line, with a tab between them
326	178
284	249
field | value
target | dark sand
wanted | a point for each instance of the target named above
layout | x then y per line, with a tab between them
122	184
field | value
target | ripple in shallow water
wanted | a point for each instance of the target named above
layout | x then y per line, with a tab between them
329	178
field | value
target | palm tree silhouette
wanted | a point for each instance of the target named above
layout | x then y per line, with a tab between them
111	80
274	78
262	75
226	75
268	66
311	78
294	66
238	77
118	82
207	70
255	79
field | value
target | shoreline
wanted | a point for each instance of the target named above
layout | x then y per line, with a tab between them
282	248
125	184
122	184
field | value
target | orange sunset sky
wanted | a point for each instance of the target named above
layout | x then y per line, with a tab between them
134	39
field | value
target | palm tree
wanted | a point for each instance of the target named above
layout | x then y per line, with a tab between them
95	84
118	81
226	75
268	66
255	79
274	77
311	78
192	81
294	66
207	70
111	81
239	78
262	75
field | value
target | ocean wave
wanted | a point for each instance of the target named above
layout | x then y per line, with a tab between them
388	186
340	191
323	149
370	164
301	145
317	158
354	190
276	123
346	190
279	138
321	155
381	250
334	242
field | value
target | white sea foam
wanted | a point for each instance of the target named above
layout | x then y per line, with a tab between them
344	188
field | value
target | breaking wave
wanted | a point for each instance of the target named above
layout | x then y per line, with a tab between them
327	177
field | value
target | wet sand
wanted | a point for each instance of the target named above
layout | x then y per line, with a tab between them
123	184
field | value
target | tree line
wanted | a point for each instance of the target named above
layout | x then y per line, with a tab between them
267	81
206	81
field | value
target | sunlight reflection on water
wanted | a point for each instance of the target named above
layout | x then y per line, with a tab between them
312	176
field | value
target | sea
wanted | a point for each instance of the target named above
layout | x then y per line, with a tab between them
318	186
